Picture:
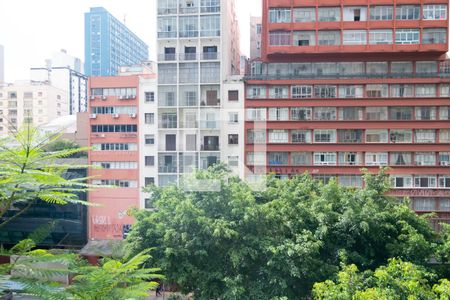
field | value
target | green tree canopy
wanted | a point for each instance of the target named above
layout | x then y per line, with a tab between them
236	243
398	280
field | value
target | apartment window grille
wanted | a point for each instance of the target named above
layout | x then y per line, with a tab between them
305	14
325	113
435	12
329	14
324	158
278	136
425	158
381	37
301	136
301	91
279	15
324	136
350	135
354	37
376	158
278	92
381	13
407	36
407	12
329	38
376	136
279	38
325	91
400	136
301	113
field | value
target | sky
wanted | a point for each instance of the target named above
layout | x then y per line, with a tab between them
32	30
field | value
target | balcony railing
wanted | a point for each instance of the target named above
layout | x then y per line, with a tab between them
343	76
167	10
188	10
210	148
189	56
168	169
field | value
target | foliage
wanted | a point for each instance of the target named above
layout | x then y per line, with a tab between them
113	279
398	280
236	243
29	174
62	144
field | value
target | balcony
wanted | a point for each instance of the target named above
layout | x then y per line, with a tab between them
167	11
167	57
168	169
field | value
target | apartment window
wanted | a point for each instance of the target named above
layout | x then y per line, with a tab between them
233	95
278	136
435	12
233	117
209	6
424	181
426	67
445	90
149	139
425	159
354	37
279	38
301	158
278	114
325	91
426	113
407	36
434	36
167	27
256	92
425	90
149	181
279	15
325	158
350	91
113	128
256	136
117	183
329	38
401	181
324	136
233	161
256	114
444	158
149	96
233	139
355	13
401	158
444	113
325	68
304	38
188	73
381	13
424	204
400	113
380	37
325	113
149	161
350	135
301	91
114	147
444	182
301	113
329	14
376	158
149	118
278	92
351	68
210	25
376	136
350	113
305	14
400	136
444	135
377	68
351	180
444	205
377	90
167	73
168	120
278	158
301	136
278	69
401	67
407	12
349	158
402	90
188	26
258	28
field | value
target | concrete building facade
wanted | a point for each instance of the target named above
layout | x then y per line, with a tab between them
198	49
27	102
2	65
255	37
346	85
66	73
109	44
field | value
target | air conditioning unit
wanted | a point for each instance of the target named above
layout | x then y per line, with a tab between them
115	116
128	97
92	97
121	97
133	115
104	98
93	116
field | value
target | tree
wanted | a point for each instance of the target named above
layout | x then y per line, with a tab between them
29	174
398	280
235	243
62	144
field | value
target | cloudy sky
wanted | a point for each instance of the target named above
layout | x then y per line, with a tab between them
32	30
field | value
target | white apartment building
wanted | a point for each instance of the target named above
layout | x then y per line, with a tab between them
65	72
2	65
198	50
27	102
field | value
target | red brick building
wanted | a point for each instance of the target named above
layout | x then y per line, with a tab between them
351	84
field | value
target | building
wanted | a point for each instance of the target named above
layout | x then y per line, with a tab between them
29	102
109	44
66	73
116	138
73	128
2	65
255	37
351	85
198	50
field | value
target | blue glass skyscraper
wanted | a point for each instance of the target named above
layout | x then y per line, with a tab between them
109	44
